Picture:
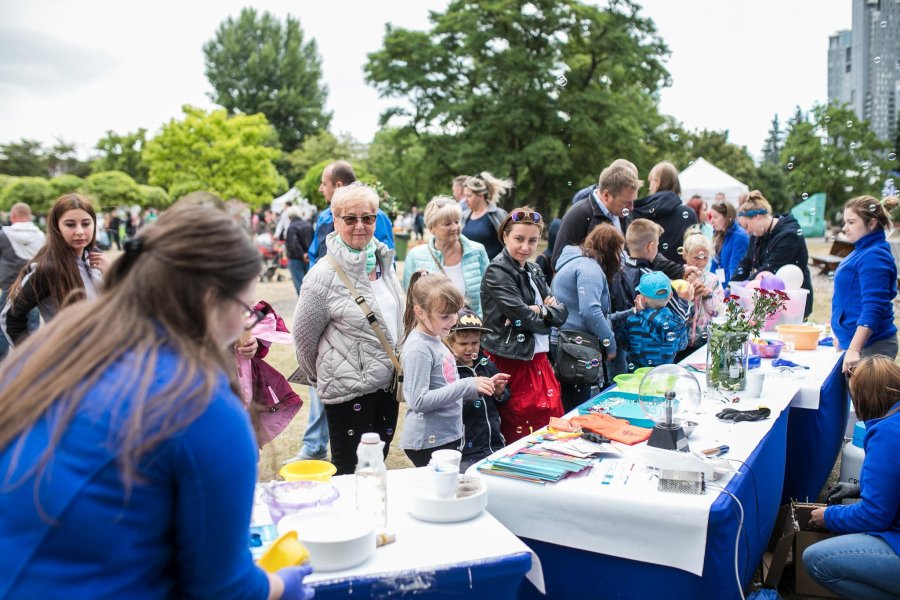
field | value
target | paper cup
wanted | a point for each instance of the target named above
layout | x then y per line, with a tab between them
755	381
449	457
443	483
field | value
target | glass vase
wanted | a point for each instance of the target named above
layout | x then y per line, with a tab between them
726	359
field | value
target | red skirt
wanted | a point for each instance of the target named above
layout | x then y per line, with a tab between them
534	396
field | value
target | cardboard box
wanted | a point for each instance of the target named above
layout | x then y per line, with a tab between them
793	535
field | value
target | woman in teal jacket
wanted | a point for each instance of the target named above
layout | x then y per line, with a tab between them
449	252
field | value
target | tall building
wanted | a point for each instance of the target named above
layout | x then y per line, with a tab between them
864	64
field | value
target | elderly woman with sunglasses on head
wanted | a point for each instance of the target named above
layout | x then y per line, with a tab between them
449	252
482	217
520	311
339	343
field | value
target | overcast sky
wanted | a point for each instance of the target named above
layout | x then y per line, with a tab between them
74	69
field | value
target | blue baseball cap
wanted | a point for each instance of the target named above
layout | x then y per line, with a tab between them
655	285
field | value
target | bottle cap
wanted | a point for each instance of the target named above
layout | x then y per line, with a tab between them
371	438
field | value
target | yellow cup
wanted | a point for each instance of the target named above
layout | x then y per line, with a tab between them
308	470
286	551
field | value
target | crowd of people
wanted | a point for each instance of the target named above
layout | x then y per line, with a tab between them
472	334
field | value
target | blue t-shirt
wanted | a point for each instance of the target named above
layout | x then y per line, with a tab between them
181	532
482	231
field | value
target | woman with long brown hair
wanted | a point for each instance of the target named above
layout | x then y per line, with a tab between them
730	240
66	269
128	461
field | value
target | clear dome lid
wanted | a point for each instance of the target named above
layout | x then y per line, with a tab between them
667	392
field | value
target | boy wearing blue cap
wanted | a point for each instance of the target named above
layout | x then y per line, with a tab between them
655	334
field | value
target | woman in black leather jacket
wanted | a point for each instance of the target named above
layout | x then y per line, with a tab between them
519	311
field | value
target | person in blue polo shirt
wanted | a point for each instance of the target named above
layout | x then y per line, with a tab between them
654	335
865	283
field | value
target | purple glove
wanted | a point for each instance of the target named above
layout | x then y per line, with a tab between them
293	583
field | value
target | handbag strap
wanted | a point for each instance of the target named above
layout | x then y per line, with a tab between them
367	311
435	259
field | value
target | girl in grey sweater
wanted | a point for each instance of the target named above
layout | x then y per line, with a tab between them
431	386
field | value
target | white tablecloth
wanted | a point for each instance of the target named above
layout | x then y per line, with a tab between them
422	546
628	517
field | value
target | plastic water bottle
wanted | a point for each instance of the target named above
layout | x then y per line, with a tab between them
853	455
371	479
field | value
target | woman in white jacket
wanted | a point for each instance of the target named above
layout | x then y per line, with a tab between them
337	347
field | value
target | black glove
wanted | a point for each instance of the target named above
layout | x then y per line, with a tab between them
842	490
736	416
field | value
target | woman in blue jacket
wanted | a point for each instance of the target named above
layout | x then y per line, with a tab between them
863	563
730	241
449	252
581	284
128	459
865	283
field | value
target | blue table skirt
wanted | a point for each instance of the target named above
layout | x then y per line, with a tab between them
815	438
571	573
498	579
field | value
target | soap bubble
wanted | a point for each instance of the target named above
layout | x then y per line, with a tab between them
872	208
579	339
469	444
520	338
625	212
812	212
561	81
518	323
892	156
685	215
883	24
670	337
477	404
674	137
877	59
606	343
700	255
665	325
827	119
649	361
432	439
519	429
740	271
631	366
420	416
581	290
357	407
350	432
652	209
804	196
474	356
849	123
569	184
799	232
595	362
550	392
680	250
390	431
665	246
483	361
587	366
790	166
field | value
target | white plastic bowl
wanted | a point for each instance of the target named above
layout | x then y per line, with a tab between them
424	505
335	539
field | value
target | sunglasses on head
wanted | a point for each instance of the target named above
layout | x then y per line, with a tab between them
352	220
525	216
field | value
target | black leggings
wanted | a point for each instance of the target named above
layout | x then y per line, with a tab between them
421	457
347	421
574	396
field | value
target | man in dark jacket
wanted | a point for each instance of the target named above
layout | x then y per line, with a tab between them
481	419
609	202
298	237
19	242
666	209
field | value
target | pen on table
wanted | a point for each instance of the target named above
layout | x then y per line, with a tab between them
717	451
629	474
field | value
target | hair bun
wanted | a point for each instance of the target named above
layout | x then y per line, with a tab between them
890	203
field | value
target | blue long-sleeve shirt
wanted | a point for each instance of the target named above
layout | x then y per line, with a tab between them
384	232
878	513
865	285
181	532
733	250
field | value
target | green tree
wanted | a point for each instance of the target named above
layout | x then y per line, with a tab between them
731	158
400	161
309	184
771	152
112	189
832	151
36	192
153	196
23	159
318	147
256	64
66	184
545	92
123	153
229	156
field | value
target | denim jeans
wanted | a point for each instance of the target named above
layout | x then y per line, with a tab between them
856	565
315	439
298	268
34	321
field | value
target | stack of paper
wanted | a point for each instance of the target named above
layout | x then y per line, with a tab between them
548	459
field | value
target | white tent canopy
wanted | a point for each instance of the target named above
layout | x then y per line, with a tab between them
705	179
293	196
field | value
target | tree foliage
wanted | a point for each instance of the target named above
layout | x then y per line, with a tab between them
123	153
309	185
112	189
322	146
23	159
66	184
400	161
256	64
36	192
830	150
731	158
545	92
229	156
153	196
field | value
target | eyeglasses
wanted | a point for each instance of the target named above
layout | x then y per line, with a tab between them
251	315
351	220
525	216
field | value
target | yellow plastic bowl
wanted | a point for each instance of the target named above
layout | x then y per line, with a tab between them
286	551
308	470
804	337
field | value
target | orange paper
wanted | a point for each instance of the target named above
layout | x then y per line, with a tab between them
618	430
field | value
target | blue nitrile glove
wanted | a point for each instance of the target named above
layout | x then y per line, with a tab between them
754	362
783	362
293	583
828	341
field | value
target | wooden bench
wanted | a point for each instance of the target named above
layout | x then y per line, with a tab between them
829	262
